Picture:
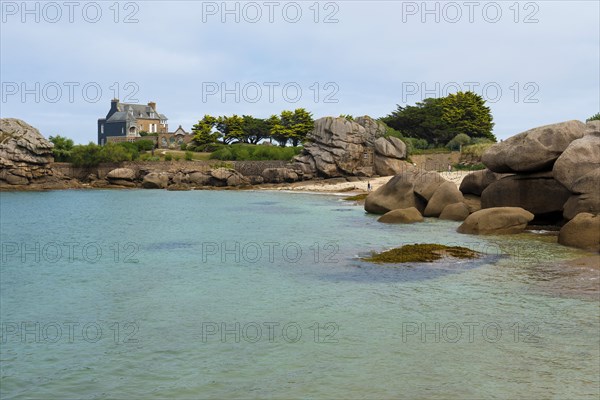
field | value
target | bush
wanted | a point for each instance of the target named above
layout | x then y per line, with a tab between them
417	144
144	145
91	155
595	117
245	152
189	156
168	157
183	146
476	150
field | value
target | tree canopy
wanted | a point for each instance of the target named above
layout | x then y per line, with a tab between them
62	148
288	126
439	120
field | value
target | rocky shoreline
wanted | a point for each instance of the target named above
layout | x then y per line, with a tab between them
548	176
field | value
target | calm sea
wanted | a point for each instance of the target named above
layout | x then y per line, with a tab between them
227	294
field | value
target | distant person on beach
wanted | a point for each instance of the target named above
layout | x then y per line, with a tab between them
368	186
449	167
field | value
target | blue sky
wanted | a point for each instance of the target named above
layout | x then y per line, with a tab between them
535	62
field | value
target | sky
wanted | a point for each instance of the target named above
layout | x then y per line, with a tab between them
534	62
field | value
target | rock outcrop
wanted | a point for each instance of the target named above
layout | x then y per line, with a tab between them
156	180
583	232
476	182
126	174
538	193
412	188
534	150
279	175
447	193
25	155
496	221
338	147
402	216
455	212
578	169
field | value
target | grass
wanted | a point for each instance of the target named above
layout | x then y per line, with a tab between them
358	197
182	154
422	252
474	167
476	150
438	150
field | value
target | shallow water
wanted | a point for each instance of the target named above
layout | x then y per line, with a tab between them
210	294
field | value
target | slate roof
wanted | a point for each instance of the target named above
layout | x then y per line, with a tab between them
131	112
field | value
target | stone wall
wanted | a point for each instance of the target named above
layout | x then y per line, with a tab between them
435	162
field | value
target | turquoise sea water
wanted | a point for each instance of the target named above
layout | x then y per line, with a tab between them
220	294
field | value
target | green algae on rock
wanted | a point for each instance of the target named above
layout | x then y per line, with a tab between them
421	252
358	197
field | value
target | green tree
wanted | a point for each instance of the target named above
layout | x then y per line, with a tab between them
203	131
459	141
62	148
255	129
291	126
230	128
595	117
421	121
438	120
466	112
144	145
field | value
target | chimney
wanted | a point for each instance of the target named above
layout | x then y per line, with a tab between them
152	105
114	107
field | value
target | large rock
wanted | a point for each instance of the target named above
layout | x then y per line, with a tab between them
391	147
198	178
578	167
447	193
426	183
582	232
472	202
278	175
582	203
401	216
155	180
592	127
386	166
126	174
412	188
338	147
534	150
496	221
396	194
537	193
476	182
455	212
25	155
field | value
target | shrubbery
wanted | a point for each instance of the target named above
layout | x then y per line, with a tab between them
90	155
244	152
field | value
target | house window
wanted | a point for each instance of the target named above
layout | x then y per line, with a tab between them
122	130
102	129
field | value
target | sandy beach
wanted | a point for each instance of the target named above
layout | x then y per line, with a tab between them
358	186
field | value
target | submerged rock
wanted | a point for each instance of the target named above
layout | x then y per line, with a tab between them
422	252
455	212
583	232
401	216
496	221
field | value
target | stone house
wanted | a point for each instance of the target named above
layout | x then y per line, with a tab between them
128	120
